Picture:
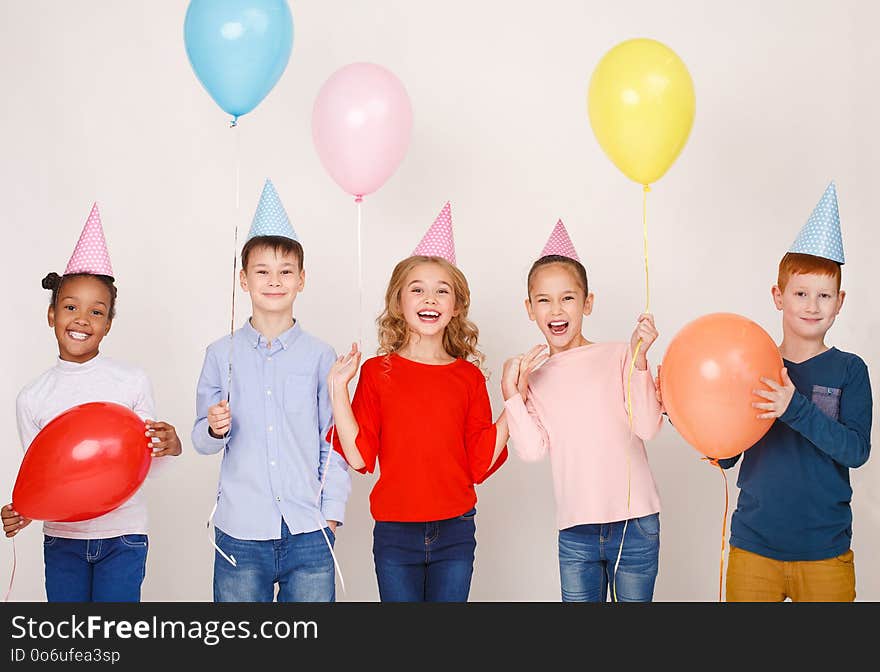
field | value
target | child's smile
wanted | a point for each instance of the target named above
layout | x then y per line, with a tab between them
809	304
428	316
558	305
273	280
558	327
427	299
80	318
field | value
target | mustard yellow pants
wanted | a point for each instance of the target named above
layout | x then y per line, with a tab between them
755	578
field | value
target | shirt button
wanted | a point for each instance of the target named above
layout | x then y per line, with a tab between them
269	392
270	428
269	358
272	463
278	499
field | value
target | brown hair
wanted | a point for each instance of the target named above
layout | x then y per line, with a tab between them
794	263
460	336
576	267
280	244
53	281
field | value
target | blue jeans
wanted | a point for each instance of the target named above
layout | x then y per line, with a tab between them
95	570
588	553
300	564
425	562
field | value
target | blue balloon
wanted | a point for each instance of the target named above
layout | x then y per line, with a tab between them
238	49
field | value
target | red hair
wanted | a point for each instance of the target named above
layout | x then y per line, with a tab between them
794	263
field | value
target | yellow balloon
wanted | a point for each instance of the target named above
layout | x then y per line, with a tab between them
641	105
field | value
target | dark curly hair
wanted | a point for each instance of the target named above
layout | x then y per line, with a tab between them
53	282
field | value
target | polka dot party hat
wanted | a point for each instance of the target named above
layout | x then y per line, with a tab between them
438	242
90	254
559	243
821	234
271	219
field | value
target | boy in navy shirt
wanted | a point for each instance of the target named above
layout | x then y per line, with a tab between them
792	527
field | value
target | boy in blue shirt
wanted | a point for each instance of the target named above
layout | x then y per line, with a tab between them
282	489
792	528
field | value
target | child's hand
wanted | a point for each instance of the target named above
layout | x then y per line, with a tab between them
645	332
344	368
515	377
219	419
168	442
779	396
13	522
510	378
657	390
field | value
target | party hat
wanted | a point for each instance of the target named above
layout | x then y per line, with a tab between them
270	219
559	243
90	254
438	241
820	236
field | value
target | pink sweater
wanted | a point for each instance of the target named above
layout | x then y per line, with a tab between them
576	411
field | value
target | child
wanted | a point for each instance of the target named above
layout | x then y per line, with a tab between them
575	408
102	559
422	411
282	491
792	527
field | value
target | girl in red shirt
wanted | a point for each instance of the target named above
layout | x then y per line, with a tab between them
422	411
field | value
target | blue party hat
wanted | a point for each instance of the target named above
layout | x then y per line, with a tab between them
821	234
270	219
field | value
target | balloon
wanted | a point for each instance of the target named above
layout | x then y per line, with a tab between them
708	374
361	126
641	105
85	462
238	48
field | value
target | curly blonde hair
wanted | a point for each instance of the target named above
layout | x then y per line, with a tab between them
460	336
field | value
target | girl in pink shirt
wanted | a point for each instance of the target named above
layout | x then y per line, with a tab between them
574	407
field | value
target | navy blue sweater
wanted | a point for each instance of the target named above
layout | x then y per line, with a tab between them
794	500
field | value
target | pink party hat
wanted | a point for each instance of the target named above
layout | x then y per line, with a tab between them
559	243
438	241
90	254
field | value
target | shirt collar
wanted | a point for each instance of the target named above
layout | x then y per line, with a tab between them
286	338
75	367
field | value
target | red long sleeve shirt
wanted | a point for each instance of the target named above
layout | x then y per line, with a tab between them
430	428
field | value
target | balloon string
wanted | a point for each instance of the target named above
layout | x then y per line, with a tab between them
623	535
237	164
321	492
645	191
632	366
360	270
237	191
713	461
647	303
229	558
12	577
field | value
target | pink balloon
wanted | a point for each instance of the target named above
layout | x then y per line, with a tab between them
361	126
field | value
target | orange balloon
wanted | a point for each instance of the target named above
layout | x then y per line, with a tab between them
708	375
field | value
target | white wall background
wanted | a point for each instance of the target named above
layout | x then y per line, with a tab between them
100	103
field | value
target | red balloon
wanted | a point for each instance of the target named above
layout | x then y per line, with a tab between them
707	377
85	462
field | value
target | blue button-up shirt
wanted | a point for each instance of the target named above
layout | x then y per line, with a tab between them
275	453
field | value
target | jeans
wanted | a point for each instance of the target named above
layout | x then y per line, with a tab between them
95	570
588	554
425	562
300	564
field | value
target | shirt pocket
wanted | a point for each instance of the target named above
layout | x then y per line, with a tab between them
828	400
300	394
